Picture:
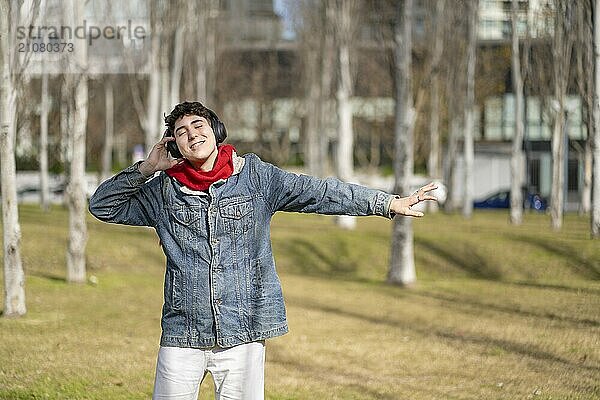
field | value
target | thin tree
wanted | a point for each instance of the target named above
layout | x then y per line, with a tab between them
44	111
343	37
516	159
210	57
468	150
561	54
433	159
595	214
344	23
14	277
310	15
402	263
76	189
148	113
455	85
177	62
584	56
109	128
201	46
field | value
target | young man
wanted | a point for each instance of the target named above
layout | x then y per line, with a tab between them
212	210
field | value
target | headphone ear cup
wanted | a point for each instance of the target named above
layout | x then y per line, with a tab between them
218	128
172	146
222	132
174	150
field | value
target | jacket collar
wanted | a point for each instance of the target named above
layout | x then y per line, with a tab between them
238	163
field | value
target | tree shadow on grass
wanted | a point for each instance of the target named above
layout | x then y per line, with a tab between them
330	377
446	334
580	265
47	275
565	288
467	259
462	304
312	260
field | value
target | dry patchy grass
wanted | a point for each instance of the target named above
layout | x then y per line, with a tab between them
499	312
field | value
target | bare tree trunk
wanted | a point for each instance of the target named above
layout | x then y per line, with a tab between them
455	89
375	151
345	159
14	277
516	159
345	148
165	84
76	191
152	115
561	50
211	52
148	113
198	26
433	160
313	161
402	266
586	190
66	121
584	55
107	150
44	110
467	209
595	215
316	64
177	65
558	170
327	58
450	158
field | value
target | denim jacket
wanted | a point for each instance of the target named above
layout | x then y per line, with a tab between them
221	287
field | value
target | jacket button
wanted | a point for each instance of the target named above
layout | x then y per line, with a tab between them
218	301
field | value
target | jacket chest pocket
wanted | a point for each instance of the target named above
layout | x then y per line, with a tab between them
237	214
188	223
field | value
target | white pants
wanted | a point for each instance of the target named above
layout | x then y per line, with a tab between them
238	372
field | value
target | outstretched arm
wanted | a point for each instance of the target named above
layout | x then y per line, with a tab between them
286	191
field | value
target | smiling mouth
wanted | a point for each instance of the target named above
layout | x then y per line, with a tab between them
200	143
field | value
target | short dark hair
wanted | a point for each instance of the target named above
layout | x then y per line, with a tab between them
187	108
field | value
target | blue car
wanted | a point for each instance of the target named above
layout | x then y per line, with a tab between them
501	199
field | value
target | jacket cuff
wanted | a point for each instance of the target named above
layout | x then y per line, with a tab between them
134	176
384	201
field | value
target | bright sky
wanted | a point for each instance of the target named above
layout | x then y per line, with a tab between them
282	9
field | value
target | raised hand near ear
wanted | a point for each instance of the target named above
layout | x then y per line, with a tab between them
402	205
158	159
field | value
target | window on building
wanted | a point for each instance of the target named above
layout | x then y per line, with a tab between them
573	176
506	29
533	175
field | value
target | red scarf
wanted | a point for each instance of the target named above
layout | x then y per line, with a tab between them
195	179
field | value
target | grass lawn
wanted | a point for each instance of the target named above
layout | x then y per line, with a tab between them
499	312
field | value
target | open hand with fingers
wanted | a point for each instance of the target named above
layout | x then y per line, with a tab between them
402	205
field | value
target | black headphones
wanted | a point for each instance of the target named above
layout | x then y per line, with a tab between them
215	123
